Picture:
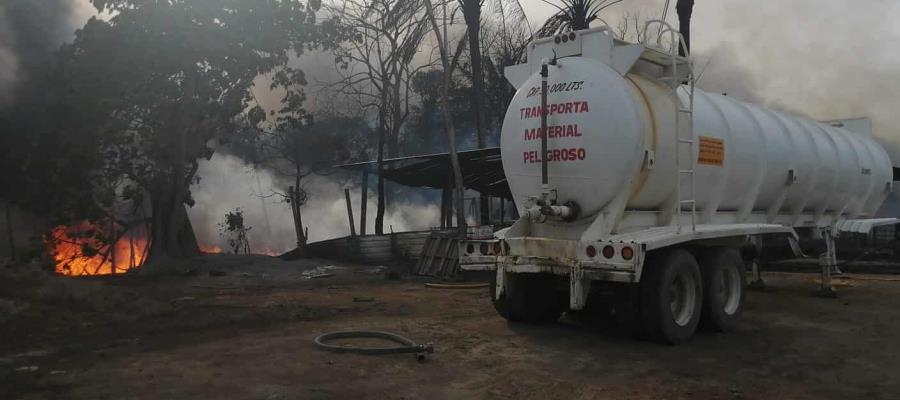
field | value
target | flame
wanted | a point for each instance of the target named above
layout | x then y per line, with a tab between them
211	249
215	249
266	252
77	253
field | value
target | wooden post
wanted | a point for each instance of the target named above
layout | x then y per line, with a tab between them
9	232
450	207
112	248
294	195
293	200
449	193
350	212
444	208
364	201
131	249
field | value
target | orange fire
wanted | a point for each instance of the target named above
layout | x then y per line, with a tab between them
266	252
211	249
78	253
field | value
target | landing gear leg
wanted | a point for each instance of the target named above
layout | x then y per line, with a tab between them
828	262
756	279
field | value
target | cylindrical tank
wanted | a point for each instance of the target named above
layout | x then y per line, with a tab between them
608	134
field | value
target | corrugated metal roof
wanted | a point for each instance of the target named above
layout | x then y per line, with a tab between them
864	225
482	171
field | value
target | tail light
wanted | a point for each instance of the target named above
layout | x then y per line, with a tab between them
591	251
497	247
609	252
627	253
484	249
470	249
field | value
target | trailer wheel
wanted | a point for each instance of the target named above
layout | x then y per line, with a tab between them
671	296
529	298
502	304
723	282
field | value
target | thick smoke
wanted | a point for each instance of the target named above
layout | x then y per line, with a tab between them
30	30
826	60
228	183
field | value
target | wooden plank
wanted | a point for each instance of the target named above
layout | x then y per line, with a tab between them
433	253
441	260
350	212
423	258
445	261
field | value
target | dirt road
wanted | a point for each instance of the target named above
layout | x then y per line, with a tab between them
248	335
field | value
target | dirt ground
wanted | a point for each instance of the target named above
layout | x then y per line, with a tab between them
242	328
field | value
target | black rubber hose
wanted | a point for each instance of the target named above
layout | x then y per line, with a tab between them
408	346
456	285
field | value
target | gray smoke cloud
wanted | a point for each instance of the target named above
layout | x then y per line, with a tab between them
227	182
30	30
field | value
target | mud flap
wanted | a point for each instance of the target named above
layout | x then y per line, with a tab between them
501	282
579	287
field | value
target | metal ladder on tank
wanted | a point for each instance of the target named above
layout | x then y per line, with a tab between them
682	138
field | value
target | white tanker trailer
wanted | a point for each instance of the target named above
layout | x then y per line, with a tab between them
648	188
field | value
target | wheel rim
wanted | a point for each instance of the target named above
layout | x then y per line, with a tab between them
730	289
683	296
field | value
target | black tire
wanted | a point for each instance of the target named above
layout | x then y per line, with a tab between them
502	304
724	281
671	296
627	310
529	298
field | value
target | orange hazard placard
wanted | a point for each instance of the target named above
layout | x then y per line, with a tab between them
712	151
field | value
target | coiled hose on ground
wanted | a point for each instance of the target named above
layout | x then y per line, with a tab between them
408	346
456	285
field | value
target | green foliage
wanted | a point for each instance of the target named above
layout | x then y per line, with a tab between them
236	232
427	117
171	76
140	95
573	15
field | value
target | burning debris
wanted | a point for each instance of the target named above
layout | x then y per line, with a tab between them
85	249
212	249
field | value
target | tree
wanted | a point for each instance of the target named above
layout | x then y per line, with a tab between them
632	27
300	145
471	10
685	8
158	81
428	114
573	15
234	230
448	66
377	65
505	42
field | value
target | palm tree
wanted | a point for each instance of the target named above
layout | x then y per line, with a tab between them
573	15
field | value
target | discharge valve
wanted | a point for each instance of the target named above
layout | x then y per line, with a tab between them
540	209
